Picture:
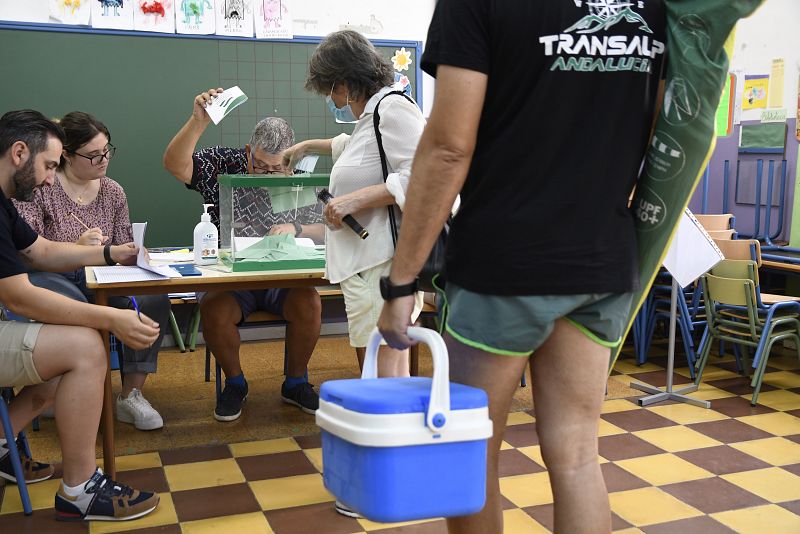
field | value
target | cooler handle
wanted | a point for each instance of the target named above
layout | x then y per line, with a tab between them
439	405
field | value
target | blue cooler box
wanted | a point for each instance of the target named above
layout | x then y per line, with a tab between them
398	449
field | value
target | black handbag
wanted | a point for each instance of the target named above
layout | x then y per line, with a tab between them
432	275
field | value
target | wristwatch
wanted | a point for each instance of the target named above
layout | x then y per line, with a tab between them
390	291
297	229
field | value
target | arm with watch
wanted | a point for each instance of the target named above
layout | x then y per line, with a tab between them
56	256
315	231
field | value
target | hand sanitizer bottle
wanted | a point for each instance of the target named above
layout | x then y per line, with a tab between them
206	239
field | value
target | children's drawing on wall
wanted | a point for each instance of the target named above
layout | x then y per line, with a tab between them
235	17
195	16
273	19
154	16
70	11
401	61
115	14
755	91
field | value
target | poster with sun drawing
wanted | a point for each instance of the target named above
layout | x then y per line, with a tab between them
195	17
114	14
70	11
401	61
235	17
273	19
154	16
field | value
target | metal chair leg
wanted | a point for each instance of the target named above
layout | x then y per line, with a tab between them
176	332
15	460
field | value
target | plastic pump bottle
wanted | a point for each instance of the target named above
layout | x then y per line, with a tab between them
206	239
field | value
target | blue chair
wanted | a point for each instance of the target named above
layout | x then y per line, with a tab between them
7	394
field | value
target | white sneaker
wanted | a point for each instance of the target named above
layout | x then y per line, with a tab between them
137	410
345	510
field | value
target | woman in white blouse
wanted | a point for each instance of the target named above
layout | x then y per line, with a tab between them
355	78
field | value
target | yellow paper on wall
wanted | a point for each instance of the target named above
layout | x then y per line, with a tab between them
776	83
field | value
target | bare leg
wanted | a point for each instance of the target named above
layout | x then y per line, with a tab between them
391	362
303	313
131	381
78	356
221	314
499	377
31	402
570	371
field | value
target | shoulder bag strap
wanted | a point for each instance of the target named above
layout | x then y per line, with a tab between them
376	120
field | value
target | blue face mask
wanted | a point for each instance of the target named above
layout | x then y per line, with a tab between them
343	114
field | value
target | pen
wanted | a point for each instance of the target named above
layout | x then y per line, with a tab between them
136	307
80	221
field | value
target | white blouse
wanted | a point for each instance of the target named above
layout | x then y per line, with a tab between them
358	165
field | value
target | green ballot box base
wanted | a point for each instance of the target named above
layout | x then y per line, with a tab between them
246	266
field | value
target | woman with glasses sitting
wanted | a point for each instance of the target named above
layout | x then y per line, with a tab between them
87	207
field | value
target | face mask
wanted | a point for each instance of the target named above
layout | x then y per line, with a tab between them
343	114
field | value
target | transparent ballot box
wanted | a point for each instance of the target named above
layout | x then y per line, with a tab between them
260	215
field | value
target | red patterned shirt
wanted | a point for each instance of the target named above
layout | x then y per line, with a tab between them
49	213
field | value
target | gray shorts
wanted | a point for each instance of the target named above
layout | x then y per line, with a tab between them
518	325
17	341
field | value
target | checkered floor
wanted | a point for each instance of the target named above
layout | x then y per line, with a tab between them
669	468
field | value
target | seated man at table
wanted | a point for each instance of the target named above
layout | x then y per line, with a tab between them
223	312
60	359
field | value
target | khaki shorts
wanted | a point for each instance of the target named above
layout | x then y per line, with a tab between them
518	325
17	341
363	302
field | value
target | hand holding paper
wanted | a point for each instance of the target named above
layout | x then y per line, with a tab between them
225	102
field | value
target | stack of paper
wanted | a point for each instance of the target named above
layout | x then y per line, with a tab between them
143	271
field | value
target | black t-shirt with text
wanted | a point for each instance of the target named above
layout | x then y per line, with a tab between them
15	235
564	127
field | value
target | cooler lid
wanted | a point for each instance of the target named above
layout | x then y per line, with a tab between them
396	395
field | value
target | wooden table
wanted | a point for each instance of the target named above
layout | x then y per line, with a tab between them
214	278
781	266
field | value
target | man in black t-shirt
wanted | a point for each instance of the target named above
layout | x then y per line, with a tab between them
223	312
541	119
60	360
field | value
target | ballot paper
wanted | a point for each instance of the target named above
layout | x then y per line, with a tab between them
142	259
307	164
142	271
225	102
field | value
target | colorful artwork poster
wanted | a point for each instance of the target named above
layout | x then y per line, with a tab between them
154	16
235	17
273	19
754	93
797	119
724	116
195	17
113	14
71	11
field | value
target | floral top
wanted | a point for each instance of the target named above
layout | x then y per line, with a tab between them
50	213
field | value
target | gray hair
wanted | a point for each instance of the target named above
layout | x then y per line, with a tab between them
273	135
347	56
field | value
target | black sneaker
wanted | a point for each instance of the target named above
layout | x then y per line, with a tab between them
229	404
102	499
32	471
302	395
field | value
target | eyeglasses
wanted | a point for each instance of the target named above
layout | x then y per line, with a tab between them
268	170
98	159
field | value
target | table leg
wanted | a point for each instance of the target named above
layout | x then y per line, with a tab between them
107	416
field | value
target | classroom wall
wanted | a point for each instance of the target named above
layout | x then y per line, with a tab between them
377	19
769	33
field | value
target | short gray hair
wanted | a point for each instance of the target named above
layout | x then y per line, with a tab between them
347	56
273	135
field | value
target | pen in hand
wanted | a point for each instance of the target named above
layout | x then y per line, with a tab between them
136	307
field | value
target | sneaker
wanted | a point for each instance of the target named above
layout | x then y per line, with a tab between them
102	499
229	404
33	471
303	396
137	410
344	510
